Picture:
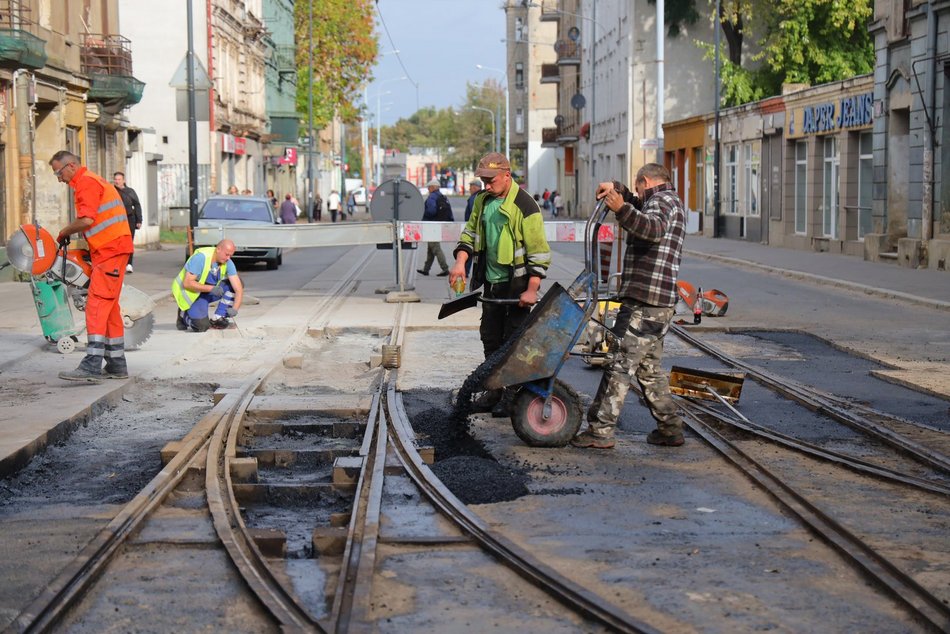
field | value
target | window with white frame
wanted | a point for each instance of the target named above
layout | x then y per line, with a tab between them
519	76
732	177
519	121
829	213
801	187
865	179
519	29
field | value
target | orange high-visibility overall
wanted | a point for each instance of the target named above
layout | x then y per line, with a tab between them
110	245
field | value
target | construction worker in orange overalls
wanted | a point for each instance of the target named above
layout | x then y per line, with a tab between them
102	219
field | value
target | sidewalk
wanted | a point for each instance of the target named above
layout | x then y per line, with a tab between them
924	287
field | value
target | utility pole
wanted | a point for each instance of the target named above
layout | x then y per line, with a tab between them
192	134
311	186
716	204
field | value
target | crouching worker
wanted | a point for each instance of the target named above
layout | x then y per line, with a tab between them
209	276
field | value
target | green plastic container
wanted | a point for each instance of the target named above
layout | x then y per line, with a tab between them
52	307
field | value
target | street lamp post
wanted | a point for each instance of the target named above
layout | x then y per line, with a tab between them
507	116
311	186
493	128
379	148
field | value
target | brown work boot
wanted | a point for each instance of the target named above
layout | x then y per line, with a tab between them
656	438
587	440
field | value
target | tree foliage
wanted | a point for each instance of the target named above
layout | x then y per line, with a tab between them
344	48
462	135
817	41
799	41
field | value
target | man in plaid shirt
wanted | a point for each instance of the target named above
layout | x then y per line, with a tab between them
655	231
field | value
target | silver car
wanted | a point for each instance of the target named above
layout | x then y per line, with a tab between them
243	211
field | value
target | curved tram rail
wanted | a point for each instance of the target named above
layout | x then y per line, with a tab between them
707	423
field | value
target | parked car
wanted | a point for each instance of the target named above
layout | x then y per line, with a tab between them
241	211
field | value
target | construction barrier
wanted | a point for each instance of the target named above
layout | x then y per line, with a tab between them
351	233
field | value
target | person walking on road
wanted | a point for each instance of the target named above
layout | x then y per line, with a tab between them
474	187
102	219
557	203
505	239
436	208
655	228
133	209
208	276
288	210
333	204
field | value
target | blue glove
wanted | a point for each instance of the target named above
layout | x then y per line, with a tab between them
217	292
231	312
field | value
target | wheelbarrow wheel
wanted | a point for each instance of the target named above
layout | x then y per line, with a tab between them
527	416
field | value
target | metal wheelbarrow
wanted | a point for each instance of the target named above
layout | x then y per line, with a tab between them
545	412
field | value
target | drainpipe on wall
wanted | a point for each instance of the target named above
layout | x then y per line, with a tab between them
929	99
212	135
21	107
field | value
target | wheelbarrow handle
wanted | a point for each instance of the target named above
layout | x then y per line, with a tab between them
494	300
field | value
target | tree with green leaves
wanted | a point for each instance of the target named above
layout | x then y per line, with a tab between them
344	49
799	41
463	135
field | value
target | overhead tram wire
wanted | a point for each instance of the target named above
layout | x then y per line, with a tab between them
396	52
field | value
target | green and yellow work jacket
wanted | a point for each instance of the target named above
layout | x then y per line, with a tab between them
522	244
186	298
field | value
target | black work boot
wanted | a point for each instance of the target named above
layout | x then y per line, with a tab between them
116	369
89	370
487	401
503	408
180	323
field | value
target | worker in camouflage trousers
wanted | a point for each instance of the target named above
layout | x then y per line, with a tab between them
655	232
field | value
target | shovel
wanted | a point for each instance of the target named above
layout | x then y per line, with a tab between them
468	300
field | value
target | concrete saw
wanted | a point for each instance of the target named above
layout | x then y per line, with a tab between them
33	251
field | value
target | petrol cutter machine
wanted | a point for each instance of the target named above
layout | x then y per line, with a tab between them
55	270
545	412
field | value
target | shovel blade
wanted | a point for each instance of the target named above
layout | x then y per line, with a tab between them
468	300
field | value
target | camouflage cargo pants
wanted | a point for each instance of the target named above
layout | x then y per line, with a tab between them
641	351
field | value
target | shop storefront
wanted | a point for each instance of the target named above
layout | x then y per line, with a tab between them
828	167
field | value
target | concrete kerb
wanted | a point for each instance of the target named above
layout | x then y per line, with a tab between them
826	281
12	463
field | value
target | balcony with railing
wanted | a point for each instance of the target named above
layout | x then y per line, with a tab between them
568	53
550	74
107	59
19	48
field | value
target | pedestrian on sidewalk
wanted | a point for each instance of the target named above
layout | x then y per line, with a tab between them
333	204
655	228
208	276
317	207
288	210
133	209
505	240
101	218
436	208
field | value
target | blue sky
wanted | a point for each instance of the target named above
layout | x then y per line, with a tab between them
439	44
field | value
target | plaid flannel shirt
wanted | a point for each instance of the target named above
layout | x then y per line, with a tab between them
655	235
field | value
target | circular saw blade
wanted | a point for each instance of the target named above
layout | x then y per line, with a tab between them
139	332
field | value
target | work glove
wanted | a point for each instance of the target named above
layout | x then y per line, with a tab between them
217	292
628	196
62	239
231	312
